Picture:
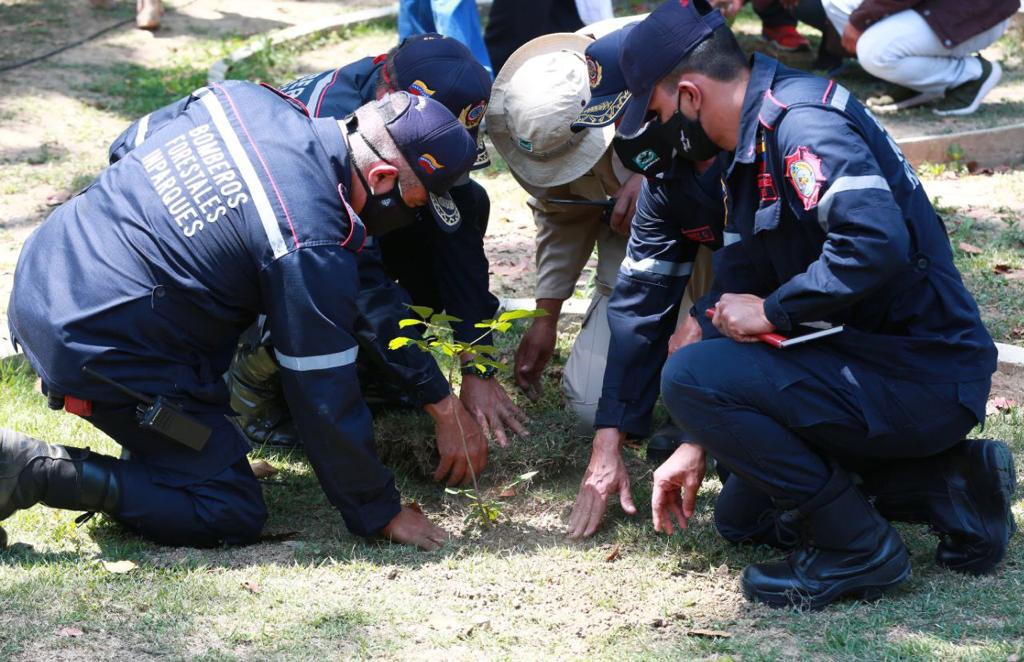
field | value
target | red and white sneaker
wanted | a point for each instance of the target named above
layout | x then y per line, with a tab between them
785	38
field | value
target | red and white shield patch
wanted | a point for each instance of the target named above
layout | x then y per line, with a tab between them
803	170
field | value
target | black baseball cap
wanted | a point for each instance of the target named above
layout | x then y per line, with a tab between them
655	46
608	93
442	68
436	145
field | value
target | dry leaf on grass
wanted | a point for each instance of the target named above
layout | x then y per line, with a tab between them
996	405
507	493
58	198
970	249
412	505
1013	274
252	587
119	567
1002	268
613	555
262	469
69	632
711	634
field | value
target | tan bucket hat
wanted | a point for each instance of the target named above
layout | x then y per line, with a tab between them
536	97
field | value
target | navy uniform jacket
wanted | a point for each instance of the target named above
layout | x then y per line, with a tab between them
675	214
828	221
232	209
462	274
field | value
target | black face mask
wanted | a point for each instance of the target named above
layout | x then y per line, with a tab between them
647	153
384	212
688	136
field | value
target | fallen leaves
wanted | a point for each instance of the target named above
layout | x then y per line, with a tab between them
69	632
262	469
119	567
998	405
507	493
970	249
613	555
252	587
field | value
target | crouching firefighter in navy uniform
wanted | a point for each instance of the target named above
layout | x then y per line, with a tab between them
137	289
442	270
826	222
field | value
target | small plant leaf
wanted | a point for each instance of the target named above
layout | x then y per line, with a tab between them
510	315
488	350
409	322
441	318
399	342
423	311
527	476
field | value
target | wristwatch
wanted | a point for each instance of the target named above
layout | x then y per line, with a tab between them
488	372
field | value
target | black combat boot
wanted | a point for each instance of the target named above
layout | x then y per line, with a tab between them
257	396
965	495
848	550
32	471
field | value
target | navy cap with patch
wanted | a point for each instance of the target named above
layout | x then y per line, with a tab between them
444	70
436	145
655	46
608	93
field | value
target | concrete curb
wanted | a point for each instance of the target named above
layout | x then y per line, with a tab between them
218	71
989	148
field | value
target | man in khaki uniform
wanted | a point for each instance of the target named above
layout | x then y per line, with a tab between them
536	98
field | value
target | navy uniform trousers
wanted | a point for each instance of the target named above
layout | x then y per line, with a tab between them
779	418
174	495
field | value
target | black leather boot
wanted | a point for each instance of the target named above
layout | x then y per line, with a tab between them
965	494
257	397
32	471
849	550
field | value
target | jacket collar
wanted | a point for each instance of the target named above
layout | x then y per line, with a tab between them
762	75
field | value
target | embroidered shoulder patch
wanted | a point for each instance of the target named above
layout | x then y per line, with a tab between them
803	170
703	235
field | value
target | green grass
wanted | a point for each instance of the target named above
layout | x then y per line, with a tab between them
518	590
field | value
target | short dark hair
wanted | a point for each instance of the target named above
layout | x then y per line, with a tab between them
718	57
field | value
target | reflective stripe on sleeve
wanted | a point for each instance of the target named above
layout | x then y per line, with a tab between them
140	131
840	97
860	183
729	238
661	267
268	218
321	362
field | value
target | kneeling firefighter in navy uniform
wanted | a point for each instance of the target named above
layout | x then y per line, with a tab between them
826	221
433	267
129	301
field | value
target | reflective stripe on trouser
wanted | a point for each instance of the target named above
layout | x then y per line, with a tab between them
583	378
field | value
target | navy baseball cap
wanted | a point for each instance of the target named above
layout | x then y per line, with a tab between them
436	146
608	93
443	69
655	46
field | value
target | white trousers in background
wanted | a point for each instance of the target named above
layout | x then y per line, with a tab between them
904	50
